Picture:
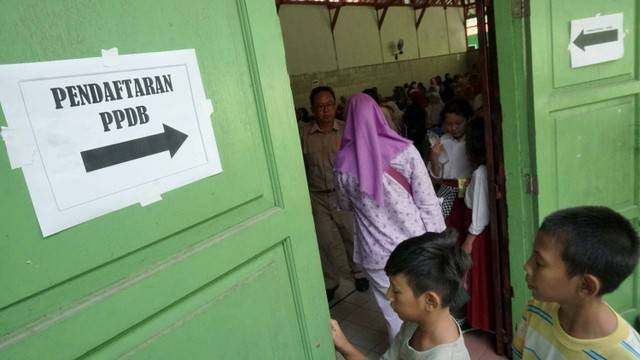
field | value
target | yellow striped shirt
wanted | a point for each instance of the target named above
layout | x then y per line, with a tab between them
539	336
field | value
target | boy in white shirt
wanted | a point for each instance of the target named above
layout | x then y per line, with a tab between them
426	274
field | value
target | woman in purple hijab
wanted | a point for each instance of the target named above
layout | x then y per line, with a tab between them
382	178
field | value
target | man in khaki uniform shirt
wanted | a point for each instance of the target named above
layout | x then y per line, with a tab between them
321	141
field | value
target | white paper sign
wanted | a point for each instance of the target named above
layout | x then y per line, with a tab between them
596	40
107	133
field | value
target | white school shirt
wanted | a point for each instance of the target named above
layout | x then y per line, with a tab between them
455	164
476	198
401	350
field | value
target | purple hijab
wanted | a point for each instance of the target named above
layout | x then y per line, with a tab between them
368	145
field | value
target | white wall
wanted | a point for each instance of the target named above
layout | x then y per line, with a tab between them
356	37
433	35
308	41
399	23
357	55
384	76
311	46
456	32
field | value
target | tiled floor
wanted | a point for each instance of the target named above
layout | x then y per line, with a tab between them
364	326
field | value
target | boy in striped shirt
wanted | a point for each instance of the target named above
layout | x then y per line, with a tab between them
579	255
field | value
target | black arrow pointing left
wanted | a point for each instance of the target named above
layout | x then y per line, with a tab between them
102	157
596	38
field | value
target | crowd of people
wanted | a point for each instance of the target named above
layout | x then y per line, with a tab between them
400	185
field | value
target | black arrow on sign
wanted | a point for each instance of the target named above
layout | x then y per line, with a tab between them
595	38
102	157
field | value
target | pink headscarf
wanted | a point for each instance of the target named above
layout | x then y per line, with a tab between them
368	145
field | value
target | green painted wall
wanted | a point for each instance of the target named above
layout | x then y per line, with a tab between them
215	263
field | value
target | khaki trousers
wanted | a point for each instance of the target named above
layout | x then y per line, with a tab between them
334	230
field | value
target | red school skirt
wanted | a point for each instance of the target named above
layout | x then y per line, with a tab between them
479	280
480	310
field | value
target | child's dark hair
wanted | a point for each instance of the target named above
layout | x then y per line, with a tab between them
595	240
476	150
458	106
432	262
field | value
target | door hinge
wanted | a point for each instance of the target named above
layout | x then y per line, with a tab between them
531	184
519	8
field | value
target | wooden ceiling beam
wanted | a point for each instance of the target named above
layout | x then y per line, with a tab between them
424	8
336	13
384	13
378	4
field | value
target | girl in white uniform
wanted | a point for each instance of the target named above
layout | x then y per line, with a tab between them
448	160
477	243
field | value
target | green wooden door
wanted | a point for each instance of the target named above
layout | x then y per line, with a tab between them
223	268
574	129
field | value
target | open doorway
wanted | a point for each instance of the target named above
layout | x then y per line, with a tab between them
346	64
484	12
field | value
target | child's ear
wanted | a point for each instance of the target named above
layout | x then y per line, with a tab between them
590	285
432	300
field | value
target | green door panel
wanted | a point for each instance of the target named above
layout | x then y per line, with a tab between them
222	260
575	129
580	126
626	298
595	160
228	311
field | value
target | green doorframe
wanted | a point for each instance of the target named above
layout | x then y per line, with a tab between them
514	74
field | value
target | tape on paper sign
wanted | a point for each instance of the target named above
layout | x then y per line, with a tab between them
148	199
207	106
110	57
20	146
150	194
